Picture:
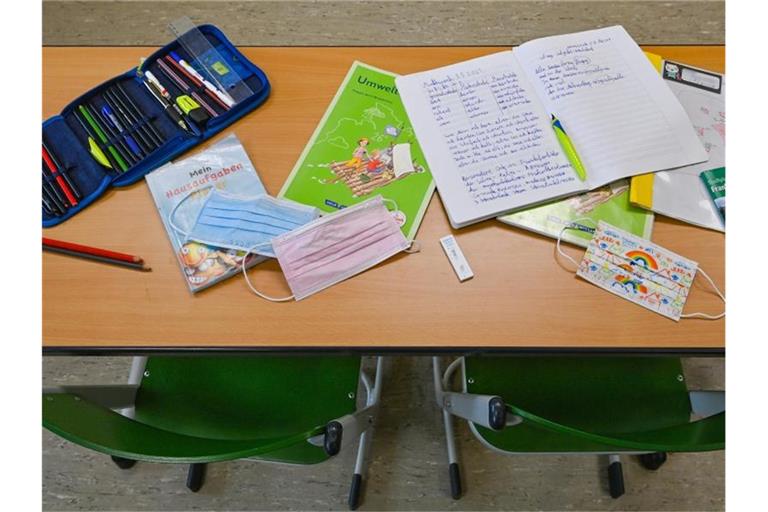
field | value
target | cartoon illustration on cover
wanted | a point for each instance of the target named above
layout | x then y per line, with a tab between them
370	168
204	262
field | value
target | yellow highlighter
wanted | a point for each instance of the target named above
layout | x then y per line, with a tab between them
570	151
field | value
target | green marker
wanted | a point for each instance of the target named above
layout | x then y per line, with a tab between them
570	151
102	137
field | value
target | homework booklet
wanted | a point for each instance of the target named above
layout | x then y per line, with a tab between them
364	146
485	124
186	183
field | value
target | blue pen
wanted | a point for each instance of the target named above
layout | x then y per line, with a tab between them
112	118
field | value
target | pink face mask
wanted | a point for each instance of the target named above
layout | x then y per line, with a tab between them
335	247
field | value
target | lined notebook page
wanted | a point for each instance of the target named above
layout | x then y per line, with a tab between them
486	137
621	117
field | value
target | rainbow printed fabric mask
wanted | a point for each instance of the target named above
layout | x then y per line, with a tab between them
640	271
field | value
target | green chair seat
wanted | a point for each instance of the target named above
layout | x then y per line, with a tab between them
592	405
106	431
208	409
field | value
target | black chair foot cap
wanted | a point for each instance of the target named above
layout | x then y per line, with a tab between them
354	491
615	480
195	477
453	472
653	461
123	463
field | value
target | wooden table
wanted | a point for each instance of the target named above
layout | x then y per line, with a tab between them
520	299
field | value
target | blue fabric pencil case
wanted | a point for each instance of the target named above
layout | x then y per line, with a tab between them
138	133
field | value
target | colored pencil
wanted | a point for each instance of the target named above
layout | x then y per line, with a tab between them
62	171
92	250
94	254
57	176
101	259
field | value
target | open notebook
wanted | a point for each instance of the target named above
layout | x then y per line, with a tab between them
485	124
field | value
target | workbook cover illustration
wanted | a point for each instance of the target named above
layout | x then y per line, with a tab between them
609	203
363	146
225	166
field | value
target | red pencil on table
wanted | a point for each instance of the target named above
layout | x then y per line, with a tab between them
94	253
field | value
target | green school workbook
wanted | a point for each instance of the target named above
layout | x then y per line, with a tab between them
364	146
609	203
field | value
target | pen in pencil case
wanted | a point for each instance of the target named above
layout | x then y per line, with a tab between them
95	149
90	126
61	170
122	148
111	118
138	112
183	86
196	82
146	145
159	92
126	103
58	180
47	207
50	194
208	85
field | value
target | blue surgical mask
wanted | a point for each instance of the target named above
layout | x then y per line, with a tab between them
246	223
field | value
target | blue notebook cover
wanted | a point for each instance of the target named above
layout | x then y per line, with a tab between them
224	165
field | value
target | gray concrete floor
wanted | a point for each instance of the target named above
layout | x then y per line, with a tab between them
408	469
381	22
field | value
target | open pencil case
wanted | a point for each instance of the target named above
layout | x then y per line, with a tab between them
120	130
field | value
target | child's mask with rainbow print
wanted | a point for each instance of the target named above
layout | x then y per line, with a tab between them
640	271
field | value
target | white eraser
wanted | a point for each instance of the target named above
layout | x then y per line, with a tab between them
456	257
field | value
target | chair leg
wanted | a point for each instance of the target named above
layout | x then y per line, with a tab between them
453	464
615	476
195	476
373	394
356	489
123	463
454	474
653	461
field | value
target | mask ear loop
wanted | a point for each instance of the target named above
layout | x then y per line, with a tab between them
572	225
719	294
175	208
248	281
